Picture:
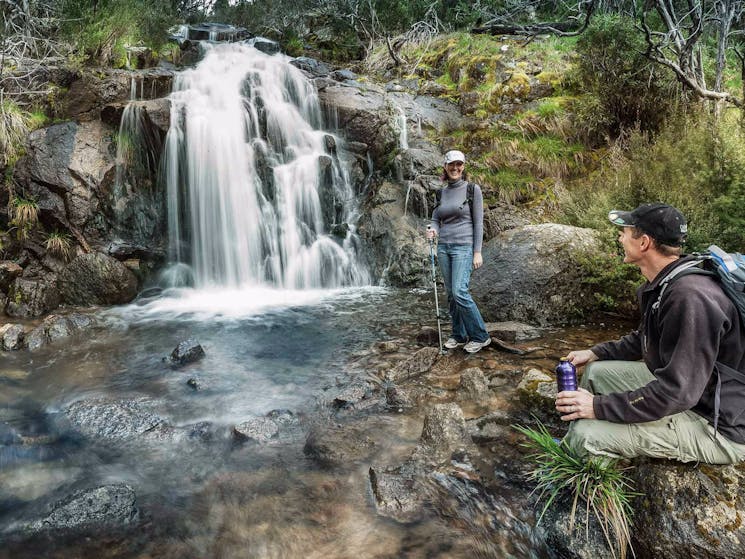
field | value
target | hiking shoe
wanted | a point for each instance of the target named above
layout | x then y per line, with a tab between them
473	347
452	343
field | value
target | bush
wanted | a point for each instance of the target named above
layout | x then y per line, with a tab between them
611	67
696	163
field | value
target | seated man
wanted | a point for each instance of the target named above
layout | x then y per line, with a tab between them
663	405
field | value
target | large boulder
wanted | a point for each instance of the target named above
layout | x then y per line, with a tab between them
688	510
533	274
97	279
31	297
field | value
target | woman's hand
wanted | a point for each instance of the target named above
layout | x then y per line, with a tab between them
477	260
575	404
431	233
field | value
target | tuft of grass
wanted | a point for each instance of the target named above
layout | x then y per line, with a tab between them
598	482
15	124
25	215
59	245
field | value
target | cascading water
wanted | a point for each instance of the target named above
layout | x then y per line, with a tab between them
255	186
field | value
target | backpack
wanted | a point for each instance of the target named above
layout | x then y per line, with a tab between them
469	197
728	269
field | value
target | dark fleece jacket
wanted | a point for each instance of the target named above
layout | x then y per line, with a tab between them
695	332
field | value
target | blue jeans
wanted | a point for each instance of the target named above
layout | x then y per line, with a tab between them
456	262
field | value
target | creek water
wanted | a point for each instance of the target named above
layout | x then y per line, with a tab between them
214	497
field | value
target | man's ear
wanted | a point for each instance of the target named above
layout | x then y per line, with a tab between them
645	242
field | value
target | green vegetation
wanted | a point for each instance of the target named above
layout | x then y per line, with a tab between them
24	215
59	245
597	482
15	124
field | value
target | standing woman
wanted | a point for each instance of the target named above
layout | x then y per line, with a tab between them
459	223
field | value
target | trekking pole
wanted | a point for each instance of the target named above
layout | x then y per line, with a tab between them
434	286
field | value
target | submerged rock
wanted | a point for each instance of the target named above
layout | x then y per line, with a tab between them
416	365
258	429
104	508
115	420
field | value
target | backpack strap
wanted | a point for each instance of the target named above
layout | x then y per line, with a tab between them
469	198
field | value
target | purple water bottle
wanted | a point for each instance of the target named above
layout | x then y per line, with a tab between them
566	376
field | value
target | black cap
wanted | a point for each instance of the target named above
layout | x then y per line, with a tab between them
662	222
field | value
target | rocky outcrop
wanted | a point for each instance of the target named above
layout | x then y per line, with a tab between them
400	254
530	274
96	279
689	511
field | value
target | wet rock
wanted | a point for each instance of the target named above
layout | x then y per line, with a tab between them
688	511
397	492
8	435
202	431
400	492
388	346
513	331
416	365
314	67
37	338
443	433
351	395
537	390
473	385
11	336
28	298
195	384
530	274
343	75
490	427
186	352
337	445
258	429
9	271
265	45
97	279
428	336
397	398
57	327
585	541
95	510
114	420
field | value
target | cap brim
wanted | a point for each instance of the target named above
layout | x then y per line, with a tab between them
623	219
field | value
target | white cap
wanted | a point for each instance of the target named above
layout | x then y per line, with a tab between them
454	155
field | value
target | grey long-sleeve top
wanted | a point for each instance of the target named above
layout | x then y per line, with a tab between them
452	218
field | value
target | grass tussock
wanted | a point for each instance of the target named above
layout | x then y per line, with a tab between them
15	124
598	484
59	245
24	216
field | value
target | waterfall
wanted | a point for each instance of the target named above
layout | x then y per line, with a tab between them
403	135
258	193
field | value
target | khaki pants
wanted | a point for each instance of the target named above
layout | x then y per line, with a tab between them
684	436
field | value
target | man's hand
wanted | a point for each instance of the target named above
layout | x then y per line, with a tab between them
581	357
575	405
477	260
